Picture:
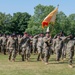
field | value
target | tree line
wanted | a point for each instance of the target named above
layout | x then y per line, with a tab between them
21	22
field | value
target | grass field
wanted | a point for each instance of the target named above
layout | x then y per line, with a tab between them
33	67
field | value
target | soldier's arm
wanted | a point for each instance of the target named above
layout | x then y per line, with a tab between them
46	39
21	40
36	36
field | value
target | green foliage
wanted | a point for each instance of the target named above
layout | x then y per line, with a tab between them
21	22
41	11
16	23
64	23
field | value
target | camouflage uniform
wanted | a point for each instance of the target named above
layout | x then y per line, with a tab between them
34	43
31	47
4	42
64	47
25	45
47	49
58	48
19	46
70	50
11	44
40	47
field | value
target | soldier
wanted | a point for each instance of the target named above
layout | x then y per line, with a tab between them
31	47
64	45
70	50
40	47
47	45
7	40
58	47
25	45
11	44
4	42
16	40
34	43
19	46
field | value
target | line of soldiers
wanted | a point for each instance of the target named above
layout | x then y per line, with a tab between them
44	46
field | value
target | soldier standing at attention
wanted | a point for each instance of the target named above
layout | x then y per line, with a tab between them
11	44
40	47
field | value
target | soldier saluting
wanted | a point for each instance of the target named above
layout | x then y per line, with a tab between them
25	45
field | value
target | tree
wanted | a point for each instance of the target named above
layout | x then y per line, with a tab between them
72	23
40	12
62	24
19	22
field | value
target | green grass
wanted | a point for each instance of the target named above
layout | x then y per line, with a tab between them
33	67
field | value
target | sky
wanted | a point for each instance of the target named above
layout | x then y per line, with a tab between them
13	6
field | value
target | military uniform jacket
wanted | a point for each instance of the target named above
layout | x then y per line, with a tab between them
11	43
3	40
47	43
70	45
58	44
40	42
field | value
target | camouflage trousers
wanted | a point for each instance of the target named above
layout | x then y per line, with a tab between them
64	51
58	54
46	54
34	48
12	54
40	53
19	48
25	53
3	48
70	54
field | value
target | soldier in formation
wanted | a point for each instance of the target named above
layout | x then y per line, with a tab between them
12	45
39	44
25	46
